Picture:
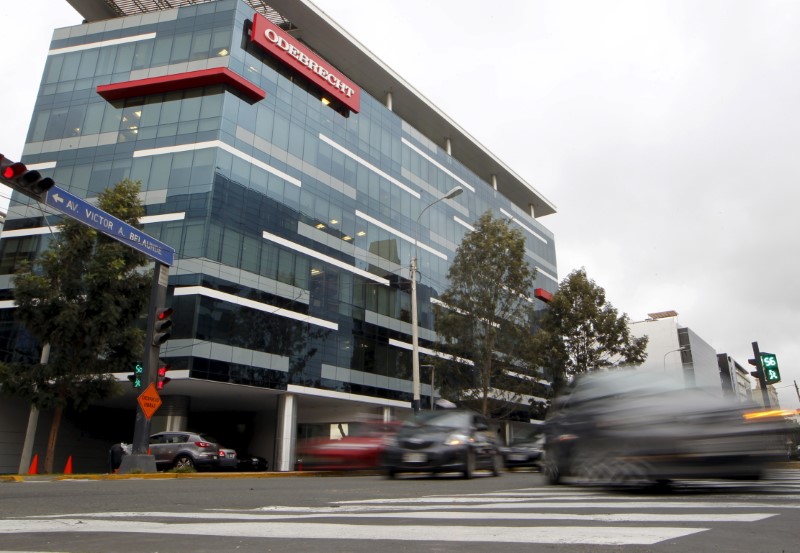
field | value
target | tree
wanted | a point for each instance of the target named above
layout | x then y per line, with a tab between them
582	332
81	297
485	319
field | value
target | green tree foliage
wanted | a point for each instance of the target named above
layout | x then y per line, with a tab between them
485	321
582	332
82	296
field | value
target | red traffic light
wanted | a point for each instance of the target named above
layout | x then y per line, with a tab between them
164	313
162	377
14	170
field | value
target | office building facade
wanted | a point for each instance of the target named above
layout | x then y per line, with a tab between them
288	167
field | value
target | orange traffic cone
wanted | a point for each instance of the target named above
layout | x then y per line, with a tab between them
34	468
68	466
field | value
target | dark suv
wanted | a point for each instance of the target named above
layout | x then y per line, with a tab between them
180	449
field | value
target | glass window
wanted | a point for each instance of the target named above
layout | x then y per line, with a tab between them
190	106
201	44
193	240
286	267
69	71
88	63
180	48
105	61
231	247
124	59
39	126
161	51
53	69
141	56
94	118
55	124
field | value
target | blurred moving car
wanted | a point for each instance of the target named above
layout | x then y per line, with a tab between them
524	451
634	426
251	463
443	441
184	450
227	459
359	449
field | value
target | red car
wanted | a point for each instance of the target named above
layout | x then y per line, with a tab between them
358	450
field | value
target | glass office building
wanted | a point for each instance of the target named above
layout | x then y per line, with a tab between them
288	167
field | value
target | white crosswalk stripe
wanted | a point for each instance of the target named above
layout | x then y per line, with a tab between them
550	515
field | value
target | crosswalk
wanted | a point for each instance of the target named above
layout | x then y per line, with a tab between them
536	515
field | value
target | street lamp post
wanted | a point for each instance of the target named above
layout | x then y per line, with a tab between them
415	403
682	348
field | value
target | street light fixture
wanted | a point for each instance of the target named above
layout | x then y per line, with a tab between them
682	348
415	403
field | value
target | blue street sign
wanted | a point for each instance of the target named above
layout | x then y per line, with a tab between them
84	212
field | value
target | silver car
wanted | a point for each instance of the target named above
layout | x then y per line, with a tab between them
184	450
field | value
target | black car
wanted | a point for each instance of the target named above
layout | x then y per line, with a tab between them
525	450
631	426
251	463
443	441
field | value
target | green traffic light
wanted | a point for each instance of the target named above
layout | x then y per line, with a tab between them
769	362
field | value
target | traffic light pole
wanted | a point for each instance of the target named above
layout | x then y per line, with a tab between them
139	459
762	380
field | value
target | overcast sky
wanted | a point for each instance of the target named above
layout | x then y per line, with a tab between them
667	134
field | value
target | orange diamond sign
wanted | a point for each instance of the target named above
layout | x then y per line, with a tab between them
149	400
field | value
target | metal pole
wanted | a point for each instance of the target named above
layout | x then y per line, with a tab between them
760	374
415	403
414	334
33	422
139	458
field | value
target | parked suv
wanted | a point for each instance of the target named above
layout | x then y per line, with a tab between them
184	450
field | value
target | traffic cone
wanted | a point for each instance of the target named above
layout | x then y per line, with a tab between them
34	468
68	466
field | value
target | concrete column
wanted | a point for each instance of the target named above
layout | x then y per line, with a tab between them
494	182
387	414
172	415
448	146
389	101
286	433
533	215
33	422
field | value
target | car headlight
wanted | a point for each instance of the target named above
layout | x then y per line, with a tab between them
458	438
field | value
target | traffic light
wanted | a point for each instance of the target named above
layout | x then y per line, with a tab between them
162	330
20	178
163	380
769	363
137	377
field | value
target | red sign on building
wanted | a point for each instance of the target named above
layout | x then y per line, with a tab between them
298	56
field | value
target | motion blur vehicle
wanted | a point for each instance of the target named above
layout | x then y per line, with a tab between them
184	450
443	441
629	426
525	450
360	448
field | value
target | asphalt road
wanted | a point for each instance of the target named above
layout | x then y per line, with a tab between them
514	513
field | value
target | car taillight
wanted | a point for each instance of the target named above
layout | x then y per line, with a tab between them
203	444
221	453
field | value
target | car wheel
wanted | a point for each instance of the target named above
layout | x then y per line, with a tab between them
550	469
497	468
391	474
469	464
184	462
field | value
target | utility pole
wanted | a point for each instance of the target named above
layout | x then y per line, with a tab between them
759	374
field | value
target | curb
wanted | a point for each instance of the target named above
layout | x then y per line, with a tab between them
175	475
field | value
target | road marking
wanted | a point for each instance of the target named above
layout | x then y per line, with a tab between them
437	515
594	535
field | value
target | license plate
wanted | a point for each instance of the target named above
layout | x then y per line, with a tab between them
414	457
517	457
